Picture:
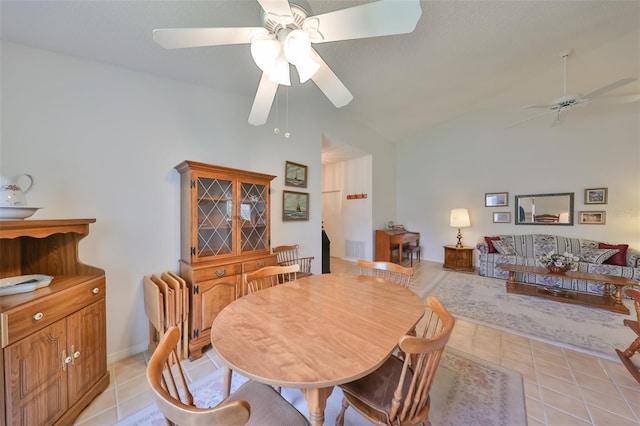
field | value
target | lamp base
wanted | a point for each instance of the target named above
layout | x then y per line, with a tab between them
459	244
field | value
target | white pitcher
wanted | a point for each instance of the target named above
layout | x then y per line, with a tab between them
11	194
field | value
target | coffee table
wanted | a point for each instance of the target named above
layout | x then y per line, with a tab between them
611	299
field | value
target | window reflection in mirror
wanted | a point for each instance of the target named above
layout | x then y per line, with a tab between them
544	209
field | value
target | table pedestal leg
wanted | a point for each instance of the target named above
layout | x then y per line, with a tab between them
226	387
317	402
511	281
618	295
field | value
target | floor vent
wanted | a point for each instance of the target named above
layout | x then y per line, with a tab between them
354	249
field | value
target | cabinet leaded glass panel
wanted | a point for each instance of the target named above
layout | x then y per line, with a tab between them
253	217
215	215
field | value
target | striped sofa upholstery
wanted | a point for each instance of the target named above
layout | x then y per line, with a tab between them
529	248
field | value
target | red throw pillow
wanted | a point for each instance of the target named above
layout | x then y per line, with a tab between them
619	258
492	249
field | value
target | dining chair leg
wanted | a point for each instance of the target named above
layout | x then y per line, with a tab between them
227	383
340	418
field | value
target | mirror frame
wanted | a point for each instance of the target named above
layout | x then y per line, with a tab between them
559	194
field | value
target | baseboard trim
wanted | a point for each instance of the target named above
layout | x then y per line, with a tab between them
126	353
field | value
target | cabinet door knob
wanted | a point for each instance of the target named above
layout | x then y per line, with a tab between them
220	272
261	264
96	290
76	354
38	316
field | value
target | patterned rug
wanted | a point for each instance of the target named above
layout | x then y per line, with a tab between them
485	301
466	391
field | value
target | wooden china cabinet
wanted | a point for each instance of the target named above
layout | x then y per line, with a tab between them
225	232
54	355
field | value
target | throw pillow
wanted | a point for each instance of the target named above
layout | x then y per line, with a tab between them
504	247
492	249
619	258
598	256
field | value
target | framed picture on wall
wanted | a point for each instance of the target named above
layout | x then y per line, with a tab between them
295	206
295	175
501	217
595	196
496	199
592	218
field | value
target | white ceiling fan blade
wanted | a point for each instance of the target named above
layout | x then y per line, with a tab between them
264	99
618	99
382	18
278	10
330	84
539	106
609	87
528	119
174	38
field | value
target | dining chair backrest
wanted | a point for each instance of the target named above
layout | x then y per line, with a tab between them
423	355
387	271
173	397
269	276
397	392
288	255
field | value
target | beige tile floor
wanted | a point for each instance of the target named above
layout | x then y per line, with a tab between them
561	386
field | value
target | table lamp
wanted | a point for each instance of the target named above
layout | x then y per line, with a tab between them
460	219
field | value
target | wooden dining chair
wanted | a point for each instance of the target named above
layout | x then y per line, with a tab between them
546	218
634	347
288	255
387	271
253	403
397	393
269	276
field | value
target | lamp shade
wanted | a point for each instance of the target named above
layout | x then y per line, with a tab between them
460	218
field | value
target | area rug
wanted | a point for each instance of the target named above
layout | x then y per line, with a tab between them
466	391
485	301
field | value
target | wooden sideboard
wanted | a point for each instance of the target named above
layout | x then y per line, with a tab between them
225	232
53	340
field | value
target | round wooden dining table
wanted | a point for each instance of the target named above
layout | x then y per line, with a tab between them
314	333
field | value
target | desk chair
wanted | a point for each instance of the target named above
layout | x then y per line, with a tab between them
253	403
397	393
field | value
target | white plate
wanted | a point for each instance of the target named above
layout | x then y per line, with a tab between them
12	285
16	212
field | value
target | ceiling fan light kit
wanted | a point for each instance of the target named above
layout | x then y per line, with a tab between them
568	101
286	38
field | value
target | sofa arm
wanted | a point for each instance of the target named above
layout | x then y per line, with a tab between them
633	258
483	247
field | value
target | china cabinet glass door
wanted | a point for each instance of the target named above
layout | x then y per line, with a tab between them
215	217
254	218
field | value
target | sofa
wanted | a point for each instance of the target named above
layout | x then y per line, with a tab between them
594	256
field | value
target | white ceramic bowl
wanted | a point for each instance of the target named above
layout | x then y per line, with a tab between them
16	212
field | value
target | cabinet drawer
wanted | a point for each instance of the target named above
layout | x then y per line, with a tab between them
215	272
31	317
254	265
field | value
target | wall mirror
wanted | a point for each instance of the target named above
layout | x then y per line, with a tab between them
544	209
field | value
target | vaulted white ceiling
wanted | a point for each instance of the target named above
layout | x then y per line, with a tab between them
461	53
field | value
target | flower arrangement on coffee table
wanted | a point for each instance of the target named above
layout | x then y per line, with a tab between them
556	262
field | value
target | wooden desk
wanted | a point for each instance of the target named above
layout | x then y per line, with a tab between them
315	333
611	300
386	239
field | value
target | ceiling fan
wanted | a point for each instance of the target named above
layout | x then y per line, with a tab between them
285	39
568	101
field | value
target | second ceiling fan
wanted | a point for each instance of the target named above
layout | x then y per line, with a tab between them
567	101
285	39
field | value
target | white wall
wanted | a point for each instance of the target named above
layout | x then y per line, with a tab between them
103	141
456	163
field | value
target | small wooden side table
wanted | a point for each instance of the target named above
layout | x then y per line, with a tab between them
458	258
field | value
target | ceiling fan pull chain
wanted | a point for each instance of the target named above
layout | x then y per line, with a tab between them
276	130
287	134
